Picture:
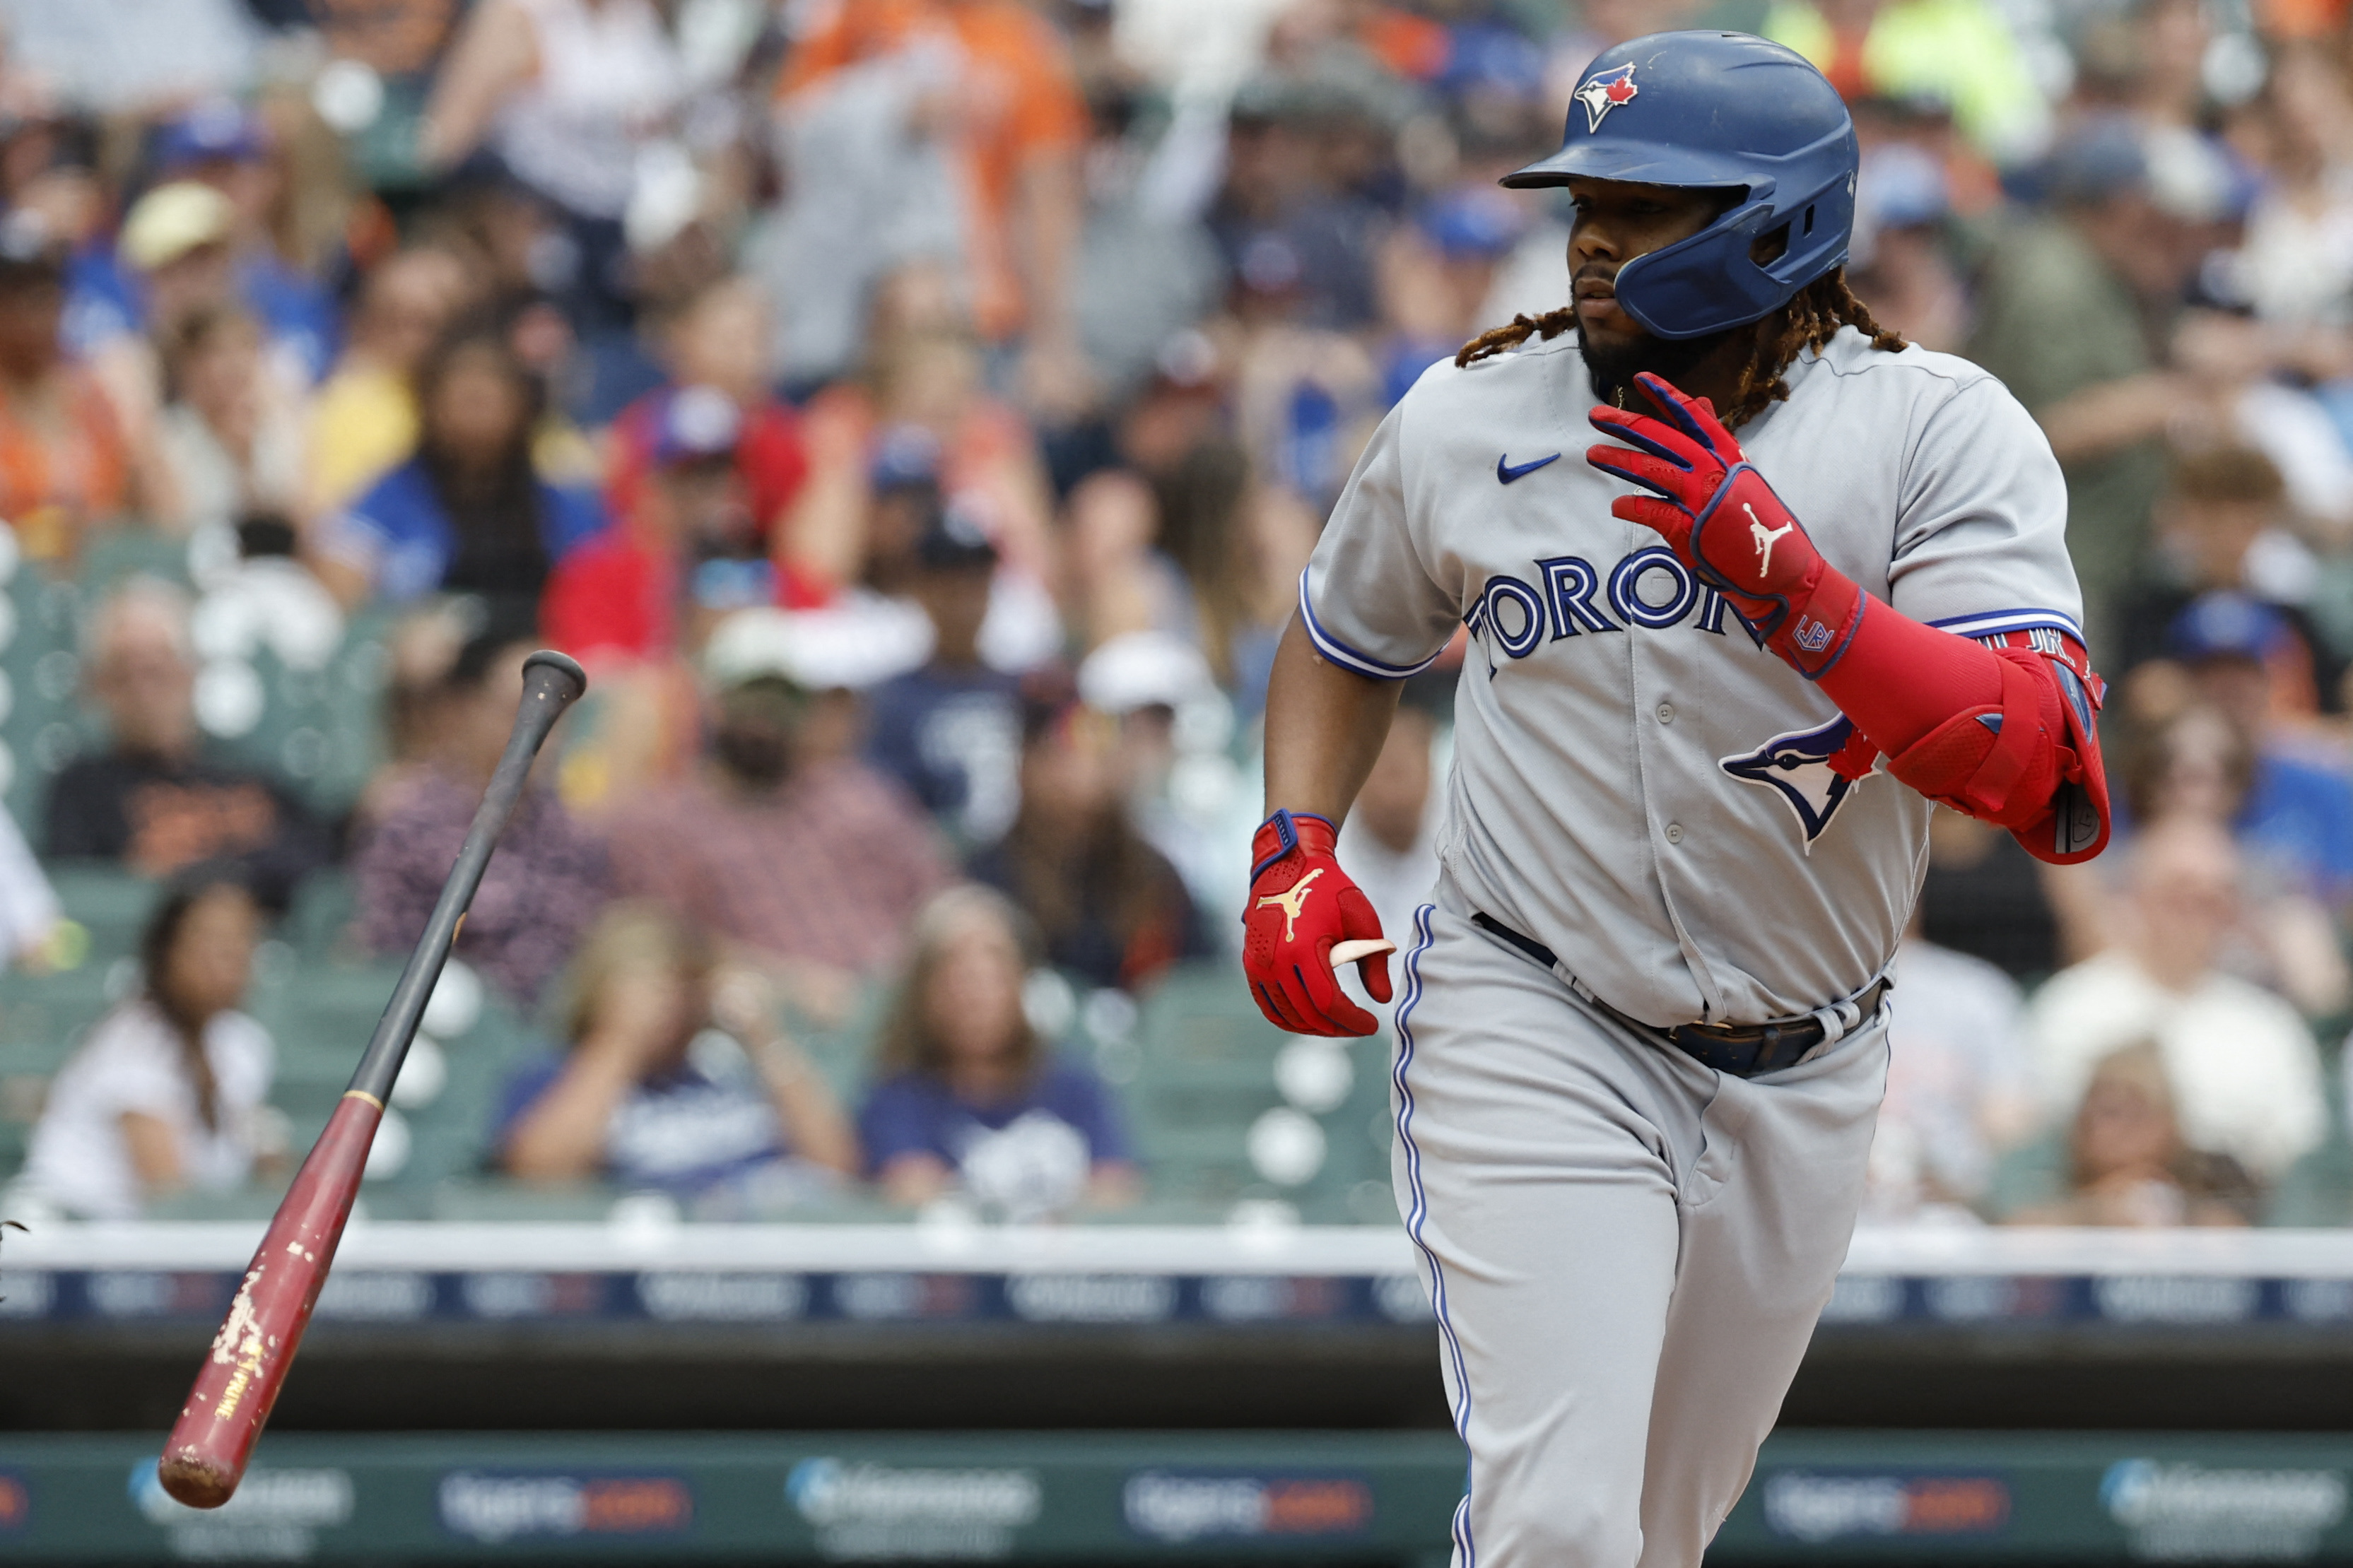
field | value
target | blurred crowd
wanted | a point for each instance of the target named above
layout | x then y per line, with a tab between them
916	414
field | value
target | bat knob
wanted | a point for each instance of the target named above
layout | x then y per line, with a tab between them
196	1481
564	679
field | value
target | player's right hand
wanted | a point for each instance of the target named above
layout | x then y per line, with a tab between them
1301	904
1726	524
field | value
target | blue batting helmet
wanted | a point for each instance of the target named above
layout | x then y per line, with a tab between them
1722	110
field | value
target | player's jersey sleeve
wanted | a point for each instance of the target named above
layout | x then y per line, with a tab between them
1367	599
1982	534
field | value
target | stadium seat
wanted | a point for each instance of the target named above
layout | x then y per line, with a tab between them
109	904
323	1018
1225	1106
42	1018
321	912
40	678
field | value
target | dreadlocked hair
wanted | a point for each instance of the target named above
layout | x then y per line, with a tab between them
1511	335
1809	320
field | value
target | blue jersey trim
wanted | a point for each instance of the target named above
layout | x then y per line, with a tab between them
1991	622
1466	1550
1341	654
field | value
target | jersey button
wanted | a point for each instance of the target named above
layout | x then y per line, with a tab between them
1674	833
1666	712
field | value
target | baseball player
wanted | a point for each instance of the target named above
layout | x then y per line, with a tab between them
1721	665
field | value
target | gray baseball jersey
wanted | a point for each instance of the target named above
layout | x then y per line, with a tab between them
1637	783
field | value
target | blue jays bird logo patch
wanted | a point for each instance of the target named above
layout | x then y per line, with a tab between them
1796	767
1606	92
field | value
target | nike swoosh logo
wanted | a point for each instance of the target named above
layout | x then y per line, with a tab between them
1505	473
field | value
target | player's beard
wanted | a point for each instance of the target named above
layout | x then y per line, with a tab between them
1612	368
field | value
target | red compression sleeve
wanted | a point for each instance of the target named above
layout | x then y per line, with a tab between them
1900	679
2008	734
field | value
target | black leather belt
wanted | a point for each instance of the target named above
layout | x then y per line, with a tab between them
1744	1050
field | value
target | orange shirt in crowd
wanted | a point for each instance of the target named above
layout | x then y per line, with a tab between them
64	462
1017	99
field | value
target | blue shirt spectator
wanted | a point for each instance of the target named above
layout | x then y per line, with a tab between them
2297	813
404	529
951	731
969	1100
676	1079
702	1122
470	513
1061	1120
2299	816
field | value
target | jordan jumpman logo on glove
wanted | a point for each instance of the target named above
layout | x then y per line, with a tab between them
1795	602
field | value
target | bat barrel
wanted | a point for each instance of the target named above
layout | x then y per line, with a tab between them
238	1382
240	1376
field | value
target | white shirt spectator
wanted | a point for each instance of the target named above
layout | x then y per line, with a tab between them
79	1159
608	79
1959	1088
2244	1070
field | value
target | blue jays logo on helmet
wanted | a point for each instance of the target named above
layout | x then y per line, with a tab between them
1796	767
1605	93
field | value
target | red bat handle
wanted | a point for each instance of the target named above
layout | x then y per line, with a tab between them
239	1380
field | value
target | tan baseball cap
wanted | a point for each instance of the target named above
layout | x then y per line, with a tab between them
172	220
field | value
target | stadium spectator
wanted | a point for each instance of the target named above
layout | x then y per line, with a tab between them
951	730
1300	246
809	865
1963	53
2297	812
1306	397
228	146
551	875
170	1090
2129	1163
720	341
2196	763
1109	907
919	408
566	93
984	88
1959	1090
231	435
2297	267
1240	545
1116	580
1984	896
1902	268
2223	526
470	513
686	553
363	420
2245	1076
156	799
67	466
969	1098
2063	319
676	1078
1158	690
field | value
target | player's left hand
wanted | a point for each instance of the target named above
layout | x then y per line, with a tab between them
1724	521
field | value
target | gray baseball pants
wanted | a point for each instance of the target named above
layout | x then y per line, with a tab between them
1625	1250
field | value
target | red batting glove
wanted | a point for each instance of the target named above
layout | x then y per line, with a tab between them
1725	523
1301	902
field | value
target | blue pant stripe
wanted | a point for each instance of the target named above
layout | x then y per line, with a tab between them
1420	1211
